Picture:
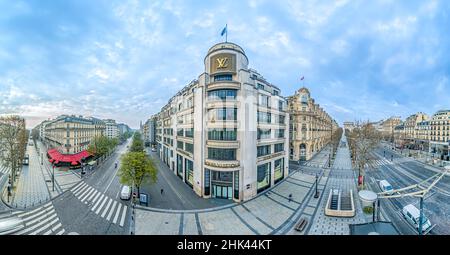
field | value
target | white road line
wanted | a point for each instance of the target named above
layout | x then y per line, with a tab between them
124	212
88	194
117	213
94	199
84	193
98	202
77	186
61	232
101	204
23	214
112	179
41	221
111	211
81	190
32	216
106	208
91	196
46	226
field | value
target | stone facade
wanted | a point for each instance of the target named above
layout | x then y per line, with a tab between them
310	126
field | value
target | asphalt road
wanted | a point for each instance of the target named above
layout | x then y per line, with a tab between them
403	172
79	217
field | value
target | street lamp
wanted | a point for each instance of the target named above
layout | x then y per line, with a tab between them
53	178
317	192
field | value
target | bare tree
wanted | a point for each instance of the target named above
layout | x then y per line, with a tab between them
13	141
363	140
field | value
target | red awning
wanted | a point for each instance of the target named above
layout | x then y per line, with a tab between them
74	163
56	162
68	158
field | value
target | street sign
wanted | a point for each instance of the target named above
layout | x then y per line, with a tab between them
143	199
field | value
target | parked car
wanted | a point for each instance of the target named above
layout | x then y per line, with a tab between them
412	215
153	149
125	193
385	186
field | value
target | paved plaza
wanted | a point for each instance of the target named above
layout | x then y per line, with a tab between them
268	213
340	176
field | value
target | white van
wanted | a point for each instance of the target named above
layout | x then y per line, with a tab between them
412	215
385	186
125	193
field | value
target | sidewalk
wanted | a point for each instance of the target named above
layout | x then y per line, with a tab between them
340	176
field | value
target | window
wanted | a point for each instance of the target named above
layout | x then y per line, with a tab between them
222	94
189	103
279	166
189	132
180	166
264	133
222	134
223	77
263	150
221	154
223	114
180	145
281	119
189	172
263	177
280	105
264	101
276	93
189	147
260	86
280	133
180	132
264	117
207	181
279	147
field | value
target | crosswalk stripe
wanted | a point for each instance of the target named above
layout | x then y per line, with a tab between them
100	207
56	227
31	216
47	233
84	192
61	232
79	187
117	213
47	225
33	226
91	196
106	208
81	190
124	212
87	194
23	214
94	199
111	211
98	202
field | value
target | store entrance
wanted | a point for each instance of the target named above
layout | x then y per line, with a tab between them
220	191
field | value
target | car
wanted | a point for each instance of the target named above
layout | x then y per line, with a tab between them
125	193
385	186
412	215
10	225
153	149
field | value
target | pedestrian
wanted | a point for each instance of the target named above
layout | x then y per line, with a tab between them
290	197
162	190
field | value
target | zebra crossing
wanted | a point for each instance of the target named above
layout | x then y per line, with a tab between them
383	161
99	203
4	170
40	221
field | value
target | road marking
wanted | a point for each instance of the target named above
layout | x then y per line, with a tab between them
112	179
98	202
117	213
86	193
56	227
93	200
77	186
92	195
111	211
35	210
47	225
100	207
40	219
61	232
106	208
124	212
80	190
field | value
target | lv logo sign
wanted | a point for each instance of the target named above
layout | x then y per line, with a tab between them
222	62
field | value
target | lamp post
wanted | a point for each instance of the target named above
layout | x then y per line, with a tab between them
53	178
421	216
317	192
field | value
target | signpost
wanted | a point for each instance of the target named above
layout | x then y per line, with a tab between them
143	199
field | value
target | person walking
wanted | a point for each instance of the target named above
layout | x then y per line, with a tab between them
162	190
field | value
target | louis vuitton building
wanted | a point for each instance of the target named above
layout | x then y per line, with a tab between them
225	134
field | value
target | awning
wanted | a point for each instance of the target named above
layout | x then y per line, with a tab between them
56	162
55	155
74	163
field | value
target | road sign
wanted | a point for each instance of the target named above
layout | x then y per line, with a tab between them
143	199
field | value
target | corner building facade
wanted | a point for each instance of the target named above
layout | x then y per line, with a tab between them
225	134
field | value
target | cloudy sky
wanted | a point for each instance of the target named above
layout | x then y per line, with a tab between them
125	59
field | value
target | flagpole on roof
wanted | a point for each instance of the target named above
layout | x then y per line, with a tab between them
226	32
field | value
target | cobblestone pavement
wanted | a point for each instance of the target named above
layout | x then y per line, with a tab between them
269	213
340	176
31	188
